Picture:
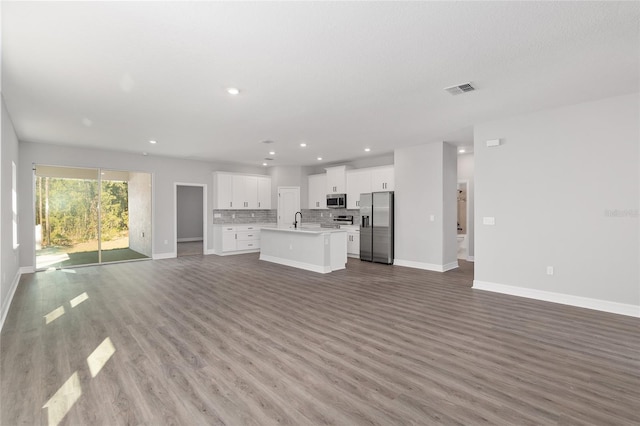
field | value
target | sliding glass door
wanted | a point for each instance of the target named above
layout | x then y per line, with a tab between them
83	217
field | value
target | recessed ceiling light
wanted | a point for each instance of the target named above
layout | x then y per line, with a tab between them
153	142
272	153
144	153
367	149
319	158
461	151
303	145
264	164
233	91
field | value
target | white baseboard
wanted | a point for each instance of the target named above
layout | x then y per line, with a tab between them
564	299
159	256
27	270
470	259
295	264
188	240
231	253
6	304
426	266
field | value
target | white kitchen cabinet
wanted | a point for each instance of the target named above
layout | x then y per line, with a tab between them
223	187
382	179
353	244
358	182
245	192
317	191
228	238
264	192
234	191
236	239
336	180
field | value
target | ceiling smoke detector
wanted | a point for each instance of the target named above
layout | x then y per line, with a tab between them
460	88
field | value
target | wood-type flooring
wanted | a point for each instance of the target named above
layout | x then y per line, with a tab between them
208	340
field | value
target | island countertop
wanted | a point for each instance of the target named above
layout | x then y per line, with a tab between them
312	248
316	230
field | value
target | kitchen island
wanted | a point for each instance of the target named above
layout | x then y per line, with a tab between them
315	249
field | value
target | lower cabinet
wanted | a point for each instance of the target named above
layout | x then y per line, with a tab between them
353	244
236	239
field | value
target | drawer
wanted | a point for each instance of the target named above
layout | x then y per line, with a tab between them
248	235
228	229
247	228
247	245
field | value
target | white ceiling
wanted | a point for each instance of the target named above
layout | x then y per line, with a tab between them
340	76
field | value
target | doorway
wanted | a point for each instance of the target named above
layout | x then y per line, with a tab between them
191	219
288	204
88	216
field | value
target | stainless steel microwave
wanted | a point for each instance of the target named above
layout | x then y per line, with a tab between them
337	201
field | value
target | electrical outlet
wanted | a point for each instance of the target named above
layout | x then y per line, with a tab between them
142	234
549	270
166	241
321	214
233	216
217	215
290	246
432	218
330	214
253	215
488	220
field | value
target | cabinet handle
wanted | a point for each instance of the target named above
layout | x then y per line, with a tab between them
230	203
249	235
236	235
258	203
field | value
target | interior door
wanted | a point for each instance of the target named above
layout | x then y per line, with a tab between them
288	204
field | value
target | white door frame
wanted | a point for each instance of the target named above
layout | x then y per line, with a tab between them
278	222
205	229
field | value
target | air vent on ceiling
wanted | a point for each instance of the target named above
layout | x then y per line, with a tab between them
268	158
267	141
460	88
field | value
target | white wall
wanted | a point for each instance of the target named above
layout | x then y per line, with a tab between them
564	190
420	182
449	204
288	176
189	213
140	213
165	172
9	257
465	172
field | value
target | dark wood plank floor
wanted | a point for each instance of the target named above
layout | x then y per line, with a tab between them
206	340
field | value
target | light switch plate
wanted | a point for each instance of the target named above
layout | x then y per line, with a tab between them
432	218
488	220
493	142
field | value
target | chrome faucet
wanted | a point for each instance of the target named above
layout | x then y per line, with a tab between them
295	219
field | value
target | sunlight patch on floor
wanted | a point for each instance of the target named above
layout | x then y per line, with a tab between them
62	401
100	356
78	299
53	315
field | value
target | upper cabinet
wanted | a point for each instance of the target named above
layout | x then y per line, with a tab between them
358	182
317	191
241	192
373	179
382	179
264	192
336	180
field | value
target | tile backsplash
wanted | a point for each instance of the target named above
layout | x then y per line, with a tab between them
326	216
270	216
244	216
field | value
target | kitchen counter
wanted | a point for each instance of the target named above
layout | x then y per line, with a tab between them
311	248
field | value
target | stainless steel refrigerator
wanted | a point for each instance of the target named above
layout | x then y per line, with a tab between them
376	227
